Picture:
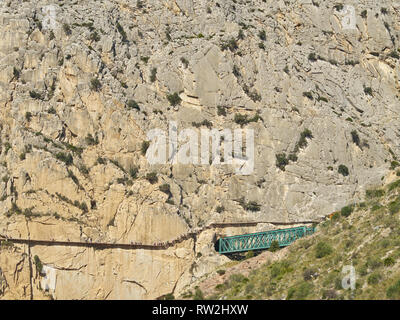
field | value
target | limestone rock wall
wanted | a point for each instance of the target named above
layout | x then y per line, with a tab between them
71	161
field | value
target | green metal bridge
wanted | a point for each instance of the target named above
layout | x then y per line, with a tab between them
262	240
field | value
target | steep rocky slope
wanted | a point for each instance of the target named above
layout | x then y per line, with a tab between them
83	82
365	236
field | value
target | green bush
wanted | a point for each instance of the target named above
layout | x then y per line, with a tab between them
152	177
368	90
394	185
347	210
394	164
249	254
65	157
279	269
95	84
38	263
144	147
220	209
132	104
374	278
262	35
174	99
393	292
133	172
165	188
153	74
274	246
35	95
121	32
374	193
343	170
394	206
67	29
198	294
169	296
389	261
281	161
308	95
221	111
322	249
355	137
221	272
300	292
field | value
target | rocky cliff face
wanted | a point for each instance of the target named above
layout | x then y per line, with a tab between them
82	83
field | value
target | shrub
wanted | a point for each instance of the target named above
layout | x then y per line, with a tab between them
132	105
302	143
364	14
389	261
394	164
322	249
144	147
300	292
133	172
185	62
368	90
393	292
243	119
90	141
65	157
262	35
274	246
121	32
67	29
329	294
374	278
394	206
153	74
281	161
198	294
221	272
174	99
308	274
355	137
165	188
220	209
231	45
250	206
38	263
374	193
308	95
95	84
312	57
394	185
35	95
249	254
152	177
169	296
347	210
94	36
221	111
343	170
28	116
205	123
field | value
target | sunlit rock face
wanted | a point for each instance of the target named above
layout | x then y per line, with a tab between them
83	83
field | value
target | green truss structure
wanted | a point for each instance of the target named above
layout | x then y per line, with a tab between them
262	240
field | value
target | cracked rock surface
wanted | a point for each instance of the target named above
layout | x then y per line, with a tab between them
82	83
